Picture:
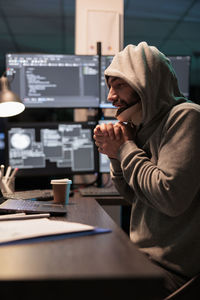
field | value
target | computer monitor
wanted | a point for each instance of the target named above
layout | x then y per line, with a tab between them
48	80
181	65
105	62
51	149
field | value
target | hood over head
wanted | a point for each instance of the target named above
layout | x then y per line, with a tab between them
150	73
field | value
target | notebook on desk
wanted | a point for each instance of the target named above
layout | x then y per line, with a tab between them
30	206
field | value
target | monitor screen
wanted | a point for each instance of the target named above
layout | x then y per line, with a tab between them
181	65
50	149
48	80
105	62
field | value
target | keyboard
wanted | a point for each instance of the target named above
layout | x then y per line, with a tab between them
30	206
31	194
94	191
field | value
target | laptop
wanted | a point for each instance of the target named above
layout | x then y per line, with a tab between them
30	206
29	194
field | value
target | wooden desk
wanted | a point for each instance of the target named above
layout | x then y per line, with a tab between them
104	266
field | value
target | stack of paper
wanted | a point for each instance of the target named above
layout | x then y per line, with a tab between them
13	230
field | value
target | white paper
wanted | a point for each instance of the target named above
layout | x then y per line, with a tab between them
23	229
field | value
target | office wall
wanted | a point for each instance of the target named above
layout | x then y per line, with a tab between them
99	21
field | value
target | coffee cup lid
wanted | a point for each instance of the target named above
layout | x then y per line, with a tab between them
61	181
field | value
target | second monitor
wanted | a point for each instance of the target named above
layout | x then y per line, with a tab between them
180	63
54	149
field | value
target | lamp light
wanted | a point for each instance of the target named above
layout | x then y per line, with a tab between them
10	103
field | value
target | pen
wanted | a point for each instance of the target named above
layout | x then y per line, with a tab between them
7	173
2	171
5	217
12	175
1	181
23	216
3	186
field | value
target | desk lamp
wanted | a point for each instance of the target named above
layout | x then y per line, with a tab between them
10	103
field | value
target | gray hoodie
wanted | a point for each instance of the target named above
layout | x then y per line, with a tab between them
159	172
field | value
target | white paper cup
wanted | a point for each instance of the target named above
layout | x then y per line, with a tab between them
61	190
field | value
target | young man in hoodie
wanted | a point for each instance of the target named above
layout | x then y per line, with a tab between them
154	152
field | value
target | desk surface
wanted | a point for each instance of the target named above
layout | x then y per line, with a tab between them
109	261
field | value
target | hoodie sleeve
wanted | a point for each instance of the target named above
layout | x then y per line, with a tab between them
170	184
118	178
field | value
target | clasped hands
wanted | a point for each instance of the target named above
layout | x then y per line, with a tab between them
109	137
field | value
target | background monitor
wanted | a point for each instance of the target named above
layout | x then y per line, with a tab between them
48	80
181	65
54	149
105	62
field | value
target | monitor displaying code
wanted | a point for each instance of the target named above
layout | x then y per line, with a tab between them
48	80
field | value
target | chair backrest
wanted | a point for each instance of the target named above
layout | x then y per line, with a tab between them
189	291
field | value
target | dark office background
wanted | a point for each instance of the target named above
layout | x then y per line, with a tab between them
48	26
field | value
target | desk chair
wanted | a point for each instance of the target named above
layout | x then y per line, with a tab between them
189	291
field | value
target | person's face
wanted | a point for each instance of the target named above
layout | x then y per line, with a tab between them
121	94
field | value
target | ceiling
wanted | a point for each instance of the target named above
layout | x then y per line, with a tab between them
48	26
